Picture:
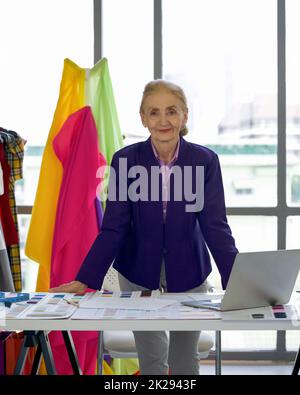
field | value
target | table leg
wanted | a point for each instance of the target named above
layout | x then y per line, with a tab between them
296	367
21	358
36	361
100	353
218	353
71	352
30	340
47	353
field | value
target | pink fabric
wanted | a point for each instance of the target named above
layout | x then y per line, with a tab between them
76	225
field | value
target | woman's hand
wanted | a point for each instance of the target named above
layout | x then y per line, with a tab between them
73	287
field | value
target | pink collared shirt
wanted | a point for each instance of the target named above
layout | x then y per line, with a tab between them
166	169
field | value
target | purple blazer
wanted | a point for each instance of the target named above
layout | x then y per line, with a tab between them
135	238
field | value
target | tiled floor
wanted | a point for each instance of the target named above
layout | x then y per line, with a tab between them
251	368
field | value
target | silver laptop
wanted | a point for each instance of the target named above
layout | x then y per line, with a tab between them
257	279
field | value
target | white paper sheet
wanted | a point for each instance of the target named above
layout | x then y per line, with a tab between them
172	312
44	311
180	296
133	302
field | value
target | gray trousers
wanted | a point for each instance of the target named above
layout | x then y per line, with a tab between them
156	351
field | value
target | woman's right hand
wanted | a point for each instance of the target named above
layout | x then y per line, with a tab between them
73	287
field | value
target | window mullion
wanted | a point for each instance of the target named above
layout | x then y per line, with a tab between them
157	29
97	30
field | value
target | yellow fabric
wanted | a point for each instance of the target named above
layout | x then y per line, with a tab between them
40	235
106	369
125	366
42	370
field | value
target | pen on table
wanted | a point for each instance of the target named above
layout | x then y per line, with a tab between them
71	302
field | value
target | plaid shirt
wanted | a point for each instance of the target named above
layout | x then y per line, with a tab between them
14	153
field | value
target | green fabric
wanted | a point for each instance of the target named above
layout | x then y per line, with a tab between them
101	99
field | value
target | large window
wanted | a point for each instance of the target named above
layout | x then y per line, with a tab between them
128	45
293	102
226	56
228	70
29	268
293	226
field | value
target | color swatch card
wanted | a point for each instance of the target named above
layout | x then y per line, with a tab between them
125	294
17	305
43	306
124	300
269	313
279	311
262	313
7	298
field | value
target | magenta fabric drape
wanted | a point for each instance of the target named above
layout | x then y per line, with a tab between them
76	223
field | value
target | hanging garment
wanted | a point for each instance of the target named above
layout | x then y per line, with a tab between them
6	279
76	224
9	229
40	235
8	226
14	153
1	181
100	97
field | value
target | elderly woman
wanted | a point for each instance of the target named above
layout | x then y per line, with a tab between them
157	227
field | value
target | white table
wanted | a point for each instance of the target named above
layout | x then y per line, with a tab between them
148	325
38	328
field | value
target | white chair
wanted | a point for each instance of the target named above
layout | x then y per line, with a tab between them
121	344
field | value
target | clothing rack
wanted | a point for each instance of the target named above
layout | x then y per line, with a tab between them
11	170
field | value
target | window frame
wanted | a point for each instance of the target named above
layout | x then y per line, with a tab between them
282	211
